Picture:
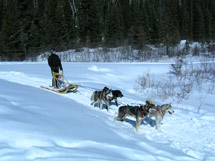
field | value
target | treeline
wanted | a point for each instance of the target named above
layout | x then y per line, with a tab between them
29	27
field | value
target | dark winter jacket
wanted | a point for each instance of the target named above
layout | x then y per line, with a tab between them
54	62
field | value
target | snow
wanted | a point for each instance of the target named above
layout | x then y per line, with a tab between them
37	124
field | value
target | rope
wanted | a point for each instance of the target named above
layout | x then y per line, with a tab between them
64	80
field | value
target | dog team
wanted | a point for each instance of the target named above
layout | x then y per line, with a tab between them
106	95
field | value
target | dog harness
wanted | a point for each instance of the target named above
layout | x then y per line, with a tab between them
141	113
161	112
157	107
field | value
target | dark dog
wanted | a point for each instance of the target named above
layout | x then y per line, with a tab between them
139	112
102	97
116	94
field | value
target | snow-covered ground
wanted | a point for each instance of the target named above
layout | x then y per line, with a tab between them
36	124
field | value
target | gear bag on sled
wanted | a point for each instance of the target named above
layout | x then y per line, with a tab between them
60	84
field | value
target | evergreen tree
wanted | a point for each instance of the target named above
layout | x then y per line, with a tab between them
60	25
70	25
35	35
65	26
154	26
94	24
209	19
89	23
51	25
1	17
41	22
145	21
26	17
114	28
1	13
35	38
184	21
207	25
198	27
173	26
83	21
28	27
136	22
127	19
11	31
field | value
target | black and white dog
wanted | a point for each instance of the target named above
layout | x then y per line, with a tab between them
102	97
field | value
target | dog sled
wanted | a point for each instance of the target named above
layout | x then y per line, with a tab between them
60	84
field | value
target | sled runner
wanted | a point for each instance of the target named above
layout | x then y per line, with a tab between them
61	84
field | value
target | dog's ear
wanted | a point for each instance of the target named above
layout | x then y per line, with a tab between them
105	88
147	102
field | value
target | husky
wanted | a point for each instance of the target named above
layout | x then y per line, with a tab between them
139	112
158	112
102	97
116	94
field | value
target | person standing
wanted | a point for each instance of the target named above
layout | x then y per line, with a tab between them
55	65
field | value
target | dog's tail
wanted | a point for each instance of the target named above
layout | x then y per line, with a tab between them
150	101
92	97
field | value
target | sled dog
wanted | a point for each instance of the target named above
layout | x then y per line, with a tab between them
116	94
102	97
139	112
158	112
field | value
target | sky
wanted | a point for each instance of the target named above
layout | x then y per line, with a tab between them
41	125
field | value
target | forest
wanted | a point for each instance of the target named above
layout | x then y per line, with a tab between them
31	27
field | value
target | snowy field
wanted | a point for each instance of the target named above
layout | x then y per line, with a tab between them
37	124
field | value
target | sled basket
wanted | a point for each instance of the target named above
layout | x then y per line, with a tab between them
61	84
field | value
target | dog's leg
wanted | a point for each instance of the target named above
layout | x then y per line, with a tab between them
116	102
158	123
150	120
93	103
100	105
143	120
121	118
116	118
138	125
107	105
